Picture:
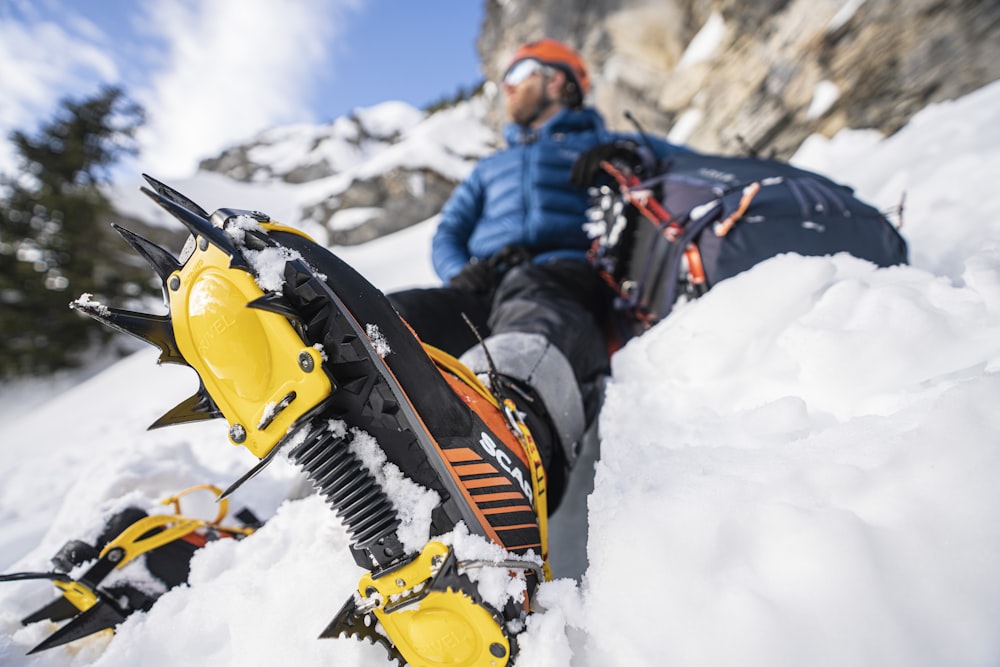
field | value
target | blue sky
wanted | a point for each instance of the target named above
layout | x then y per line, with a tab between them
214	72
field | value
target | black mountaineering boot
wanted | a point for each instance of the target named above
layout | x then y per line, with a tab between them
302	355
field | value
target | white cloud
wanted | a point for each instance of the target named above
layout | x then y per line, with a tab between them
208	72
229	69
40	62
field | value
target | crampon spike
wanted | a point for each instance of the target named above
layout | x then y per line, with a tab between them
350	622
102	616
58	610
161	260
250	474
168	192
198	407
154	329
200	226
274	302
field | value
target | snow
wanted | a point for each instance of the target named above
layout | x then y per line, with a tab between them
798	468
379	343
353	217
446	140
389	118
825	94
844	14
705	43
685	125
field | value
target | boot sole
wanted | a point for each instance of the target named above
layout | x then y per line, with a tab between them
463	463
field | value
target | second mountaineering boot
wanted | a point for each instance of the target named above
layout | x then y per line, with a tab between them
302	355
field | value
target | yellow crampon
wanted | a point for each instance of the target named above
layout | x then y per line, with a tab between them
223	510
86	603
79	595
279	364
249	357
146	534
431	623
431	612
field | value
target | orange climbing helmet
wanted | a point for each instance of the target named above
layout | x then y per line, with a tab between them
554	53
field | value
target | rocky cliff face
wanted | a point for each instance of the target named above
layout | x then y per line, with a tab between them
727	75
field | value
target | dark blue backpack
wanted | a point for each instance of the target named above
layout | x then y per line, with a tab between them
676	228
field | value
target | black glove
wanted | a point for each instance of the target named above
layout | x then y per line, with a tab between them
476	277
623	154
509	257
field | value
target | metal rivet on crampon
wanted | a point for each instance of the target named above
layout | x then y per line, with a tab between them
175	283
498	650
237	433
203	243
306	362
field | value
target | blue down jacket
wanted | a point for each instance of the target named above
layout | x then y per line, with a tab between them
522	196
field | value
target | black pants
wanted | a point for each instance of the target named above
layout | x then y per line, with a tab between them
564	300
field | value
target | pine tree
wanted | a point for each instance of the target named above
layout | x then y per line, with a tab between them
54	242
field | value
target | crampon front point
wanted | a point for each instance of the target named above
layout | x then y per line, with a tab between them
286	338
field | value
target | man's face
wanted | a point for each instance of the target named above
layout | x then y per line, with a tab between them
525	90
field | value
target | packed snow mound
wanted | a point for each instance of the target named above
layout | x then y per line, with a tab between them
798	468
812	477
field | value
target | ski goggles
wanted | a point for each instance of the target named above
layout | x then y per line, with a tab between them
521	70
